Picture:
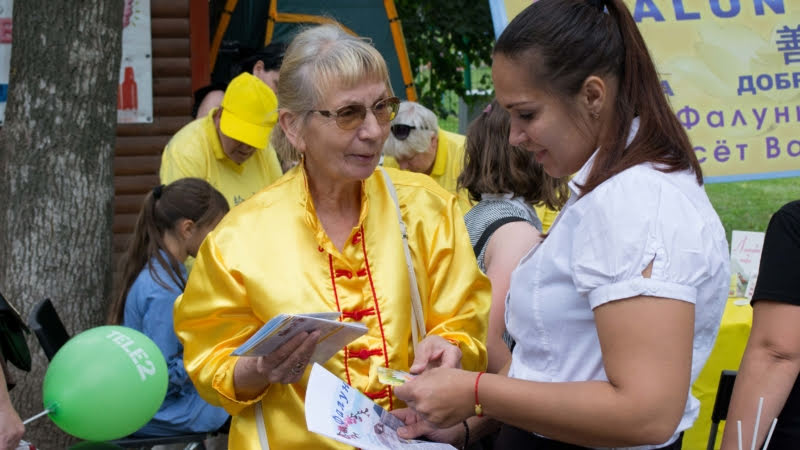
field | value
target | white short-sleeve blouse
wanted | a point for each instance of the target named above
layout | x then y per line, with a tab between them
595	253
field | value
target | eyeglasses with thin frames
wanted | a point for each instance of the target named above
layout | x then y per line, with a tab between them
350	117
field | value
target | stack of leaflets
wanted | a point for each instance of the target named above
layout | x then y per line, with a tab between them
339	411
333	334
745	258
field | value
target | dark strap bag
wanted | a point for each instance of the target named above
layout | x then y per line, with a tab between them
12	336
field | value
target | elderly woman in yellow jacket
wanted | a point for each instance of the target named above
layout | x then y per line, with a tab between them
327	237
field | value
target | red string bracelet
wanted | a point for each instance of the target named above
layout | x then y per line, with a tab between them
478	407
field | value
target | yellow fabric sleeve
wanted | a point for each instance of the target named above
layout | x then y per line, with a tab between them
216	321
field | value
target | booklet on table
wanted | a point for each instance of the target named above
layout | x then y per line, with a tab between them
746	249
333	334
339	411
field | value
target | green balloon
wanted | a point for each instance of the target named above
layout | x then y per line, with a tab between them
105	383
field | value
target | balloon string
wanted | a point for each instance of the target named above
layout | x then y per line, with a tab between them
38	416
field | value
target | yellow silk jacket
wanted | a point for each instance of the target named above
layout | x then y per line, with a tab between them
271	255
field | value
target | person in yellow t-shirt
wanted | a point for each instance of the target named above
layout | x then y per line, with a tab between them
327	237
546	215
228	147
419	145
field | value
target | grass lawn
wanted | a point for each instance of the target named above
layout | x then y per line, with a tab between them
748	205
450	123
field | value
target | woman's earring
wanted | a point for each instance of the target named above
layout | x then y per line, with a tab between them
595	115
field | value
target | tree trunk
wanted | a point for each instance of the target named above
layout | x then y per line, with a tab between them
56	178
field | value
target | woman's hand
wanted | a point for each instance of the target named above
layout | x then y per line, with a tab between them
442	397
11	428
286	365
416	426
435	351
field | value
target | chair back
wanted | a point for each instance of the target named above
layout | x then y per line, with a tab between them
48	328
724	392
191	441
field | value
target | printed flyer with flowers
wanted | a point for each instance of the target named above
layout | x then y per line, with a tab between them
339	411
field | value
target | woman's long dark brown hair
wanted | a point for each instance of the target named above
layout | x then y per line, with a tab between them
164	206
563	42
493	166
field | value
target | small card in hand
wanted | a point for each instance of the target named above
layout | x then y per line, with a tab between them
393	377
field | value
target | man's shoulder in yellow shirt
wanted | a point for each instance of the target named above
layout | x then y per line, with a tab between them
188	152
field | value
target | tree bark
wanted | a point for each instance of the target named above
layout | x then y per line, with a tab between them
56	178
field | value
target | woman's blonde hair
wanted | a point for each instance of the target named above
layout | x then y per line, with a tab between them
317	60
419	139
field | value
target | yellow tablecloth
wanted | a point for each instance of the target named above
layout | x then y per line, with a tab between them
726	355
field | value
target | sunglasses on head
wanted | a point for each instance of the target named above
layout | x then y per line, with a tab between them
401	131
350	117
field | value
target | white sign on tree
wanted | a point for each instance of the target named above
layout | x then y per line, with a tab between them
135	93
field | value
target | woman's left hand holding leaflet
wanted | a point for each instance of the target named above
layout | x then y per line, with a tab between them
285	365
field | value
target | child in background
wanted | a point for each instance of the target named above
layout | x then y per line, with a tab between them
172	224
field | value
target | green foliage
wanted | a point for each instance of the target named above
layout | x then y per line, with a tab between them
444	38
748	205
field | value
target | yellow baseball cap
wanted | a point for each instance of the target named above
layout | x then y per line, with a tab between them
249	111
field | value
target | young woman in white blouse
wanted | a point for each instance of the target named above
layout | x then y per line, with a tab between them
614	314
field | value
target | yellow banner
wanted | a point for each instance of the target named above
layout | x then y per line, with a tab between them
731	70
513	7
